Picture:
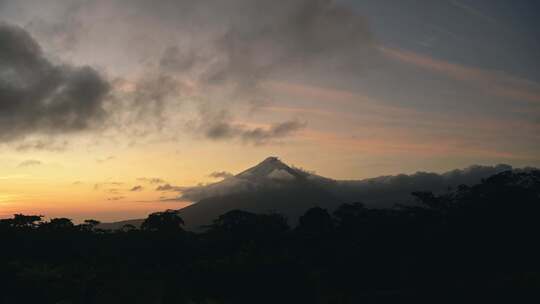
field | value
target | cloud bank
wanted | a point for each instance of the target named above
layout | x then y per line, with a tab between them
382	191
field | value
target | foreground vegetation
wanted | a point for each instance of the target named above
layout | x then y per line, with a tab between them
476	243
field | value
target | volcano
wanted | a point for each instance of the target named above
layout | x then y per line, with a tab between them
273	186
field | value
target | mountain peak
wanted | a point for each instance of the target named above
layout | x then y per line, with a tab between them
272	167
271	159
274	162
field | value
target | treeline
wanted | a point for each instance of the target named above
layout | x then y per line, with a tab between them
471	244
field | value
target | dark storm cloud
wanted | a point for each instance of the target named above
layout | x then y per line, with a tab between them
217	52
29	163
220	174
39	97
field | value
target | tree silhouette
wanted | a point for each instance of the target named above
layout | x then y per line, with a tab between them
246	223
92	223
127	228
57	224
272	223
88	225
316	222
235	221
167	221
350	217
21	221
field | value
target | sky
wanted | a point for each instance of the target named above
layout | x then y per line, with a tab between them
105	102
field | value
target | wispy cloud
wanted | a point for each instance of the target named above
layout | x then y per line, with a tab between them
472	11
220	174
344	97
218	127
115	198
494	83
104	160
106	184
42	145
409	144
151	180
136	188
29	163
169	188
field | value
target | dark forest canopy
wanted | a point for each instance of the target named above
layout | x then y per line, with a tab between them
469	244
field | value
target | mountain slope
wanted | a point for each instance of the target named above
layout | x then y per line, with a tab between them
269	174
